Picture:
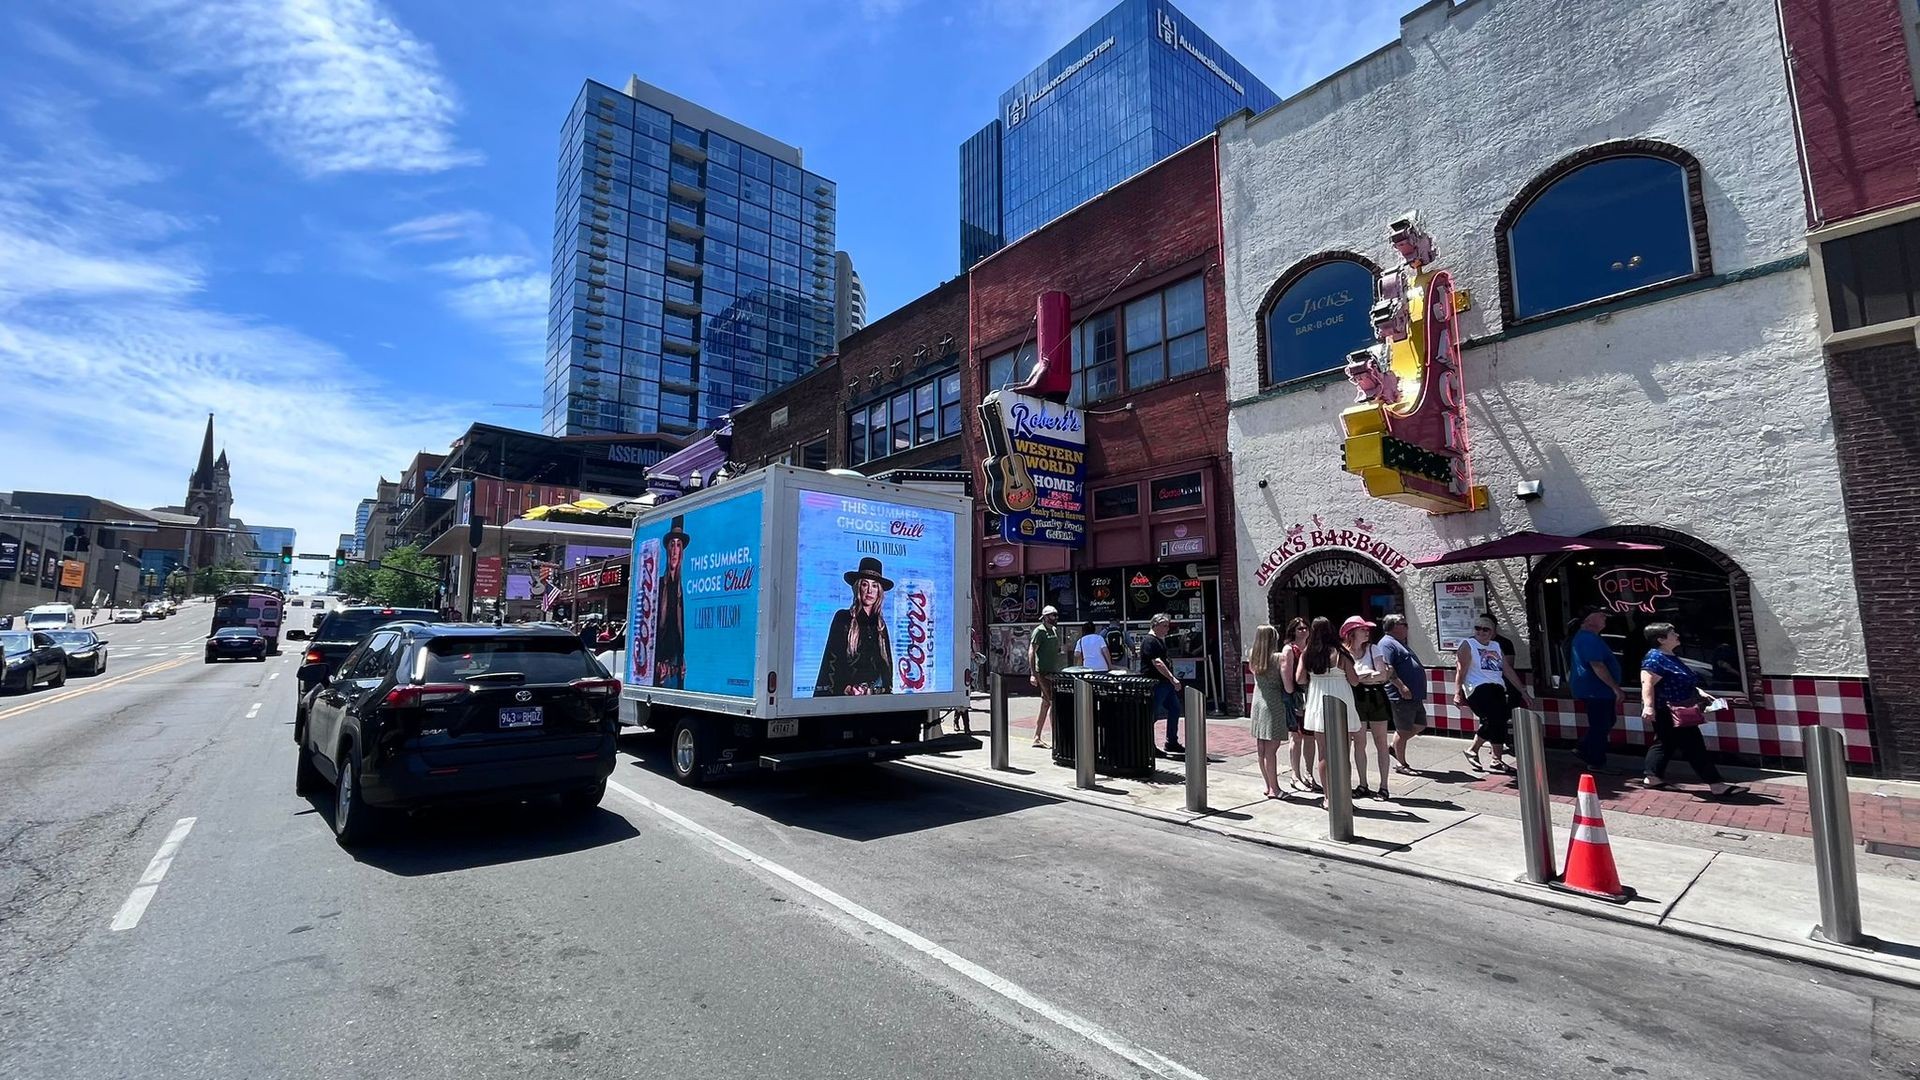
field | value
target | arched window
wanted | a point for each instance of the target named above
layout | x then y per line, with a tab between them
1609	220
1686	583
1315	315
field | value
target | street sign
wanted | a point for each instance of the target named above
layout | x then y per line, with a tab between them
263	554
309	555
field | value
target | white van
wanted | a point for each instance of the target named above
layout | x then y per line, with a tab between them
51	617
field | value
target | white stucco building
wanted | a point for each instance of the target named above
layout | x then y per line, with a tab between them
1616	185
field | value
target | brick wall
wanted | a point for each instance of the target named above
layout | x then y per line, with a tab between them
1155	229
1876	414
910	345
1852	75
813	405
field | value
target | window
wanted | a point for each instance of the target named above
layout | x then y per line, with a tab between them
1096	359
1873	277
1317	315
1146	356
857	438
902	422
1176	492
950	404
925	418
1116	502
1010	368
1680	586
813	455
1602	228
918	416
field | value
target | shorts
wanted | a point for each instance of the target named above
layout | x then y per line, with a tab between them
1489	703
1373	705
1409	716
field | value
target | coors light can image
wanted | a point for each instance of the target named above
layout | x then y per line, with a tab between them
643	630
918	643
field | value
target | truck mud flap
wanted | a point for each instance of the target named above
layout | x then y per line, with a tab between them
813	759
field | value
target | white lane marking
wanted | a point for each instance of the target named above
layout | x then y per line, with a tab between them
142	895
273	676
1149	1060
253	712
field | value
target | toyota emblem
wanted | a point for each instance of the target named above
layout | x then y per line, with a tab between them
523	695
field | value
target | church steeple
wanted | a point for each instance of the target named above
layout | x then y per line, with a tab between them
203	473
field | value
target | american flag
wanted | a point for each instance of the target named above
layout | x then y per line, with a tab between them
552	597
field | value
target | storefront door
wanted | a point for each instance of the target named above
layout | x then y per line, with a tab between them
1335	587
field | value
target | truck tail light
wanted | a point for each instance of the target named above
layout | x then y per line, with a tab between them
408	697
596	687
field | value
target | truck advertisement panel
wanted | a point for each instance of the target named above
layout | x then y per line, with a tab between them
874	609
695	599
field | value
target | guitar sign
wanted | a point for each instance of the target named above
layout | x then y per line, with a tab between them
1036	469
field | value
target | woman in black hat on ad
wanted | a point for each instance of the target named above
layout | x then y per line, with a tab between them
858	657
670	635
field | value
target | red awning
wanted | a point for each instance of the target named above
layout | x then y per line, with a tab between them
1526	543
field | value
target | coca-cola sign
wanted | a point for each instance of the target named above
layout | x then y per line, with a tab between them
1633	588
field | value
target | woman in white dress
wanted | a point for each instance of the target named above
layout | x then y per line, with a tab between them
1327	672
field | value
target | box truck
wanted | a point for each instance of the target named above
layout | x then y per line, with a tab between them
792	618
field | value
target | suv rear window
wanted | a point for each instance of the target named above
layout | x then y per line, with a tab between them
358	623
538	659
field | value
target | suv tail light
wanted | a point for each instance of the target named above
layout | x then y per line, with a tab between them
314	657
407	697
596	687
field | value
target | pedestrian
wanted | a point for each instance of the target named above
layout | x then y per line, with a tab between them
1672	702
1116	645
1302	744
1327	671
1043	659
1272	704
1370	698
1409	695
1482	672
1169	690
1594	677
1091	650
1515	693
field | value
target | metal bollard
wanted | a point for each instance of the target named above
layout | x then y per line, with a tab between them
1833	838
997	721
1084	751
1338	774
1196	710
1536	814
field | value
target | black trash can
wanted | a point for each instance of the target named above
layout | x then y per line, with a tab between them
1066	684
1123	724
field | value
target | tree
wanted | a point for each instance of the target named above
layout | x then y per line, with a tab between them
407	578
356	581
179	584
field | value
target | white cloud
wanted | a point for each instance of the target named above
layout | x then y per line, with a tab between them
118	358
332	86
439	228
476	267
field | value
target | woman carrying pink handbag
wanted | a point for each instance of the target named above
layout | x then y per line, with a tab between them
1672	702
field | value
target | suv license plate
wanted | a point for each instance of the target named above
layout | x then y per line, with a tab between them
517	718
782	729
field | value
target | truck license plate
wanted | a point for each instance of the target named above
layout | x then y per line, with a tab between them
519	718
782	729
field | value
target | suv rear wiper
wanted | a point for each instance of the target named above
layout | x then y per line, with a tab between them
498	677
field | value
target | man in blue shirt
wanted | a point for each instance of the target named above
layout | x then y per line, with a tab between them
1595	678
1409	712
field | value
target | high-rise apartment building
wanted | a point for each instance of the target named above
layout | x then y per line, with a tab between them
850	298
693	266
1140	83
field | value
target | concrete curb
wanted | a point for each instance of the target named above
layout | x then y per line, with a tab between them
1832	957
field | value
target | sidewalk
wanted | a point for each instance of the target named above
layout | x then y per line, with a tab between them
1736	873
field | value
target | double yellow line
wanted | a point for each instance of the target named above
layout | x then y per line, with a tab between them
94	688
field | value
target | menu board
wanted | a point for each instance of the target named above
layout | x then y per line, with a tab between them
1455	605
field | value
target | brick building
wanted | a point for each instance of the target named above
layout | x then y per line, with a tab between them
889	402
1852	66
1141	266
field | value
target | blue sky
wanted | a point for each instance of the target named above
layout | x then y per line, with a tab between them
328	221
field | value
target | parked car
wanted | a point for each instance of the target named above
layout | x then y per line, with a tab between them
170	606
237	643
30	658
86	651
126	615
152	610
421	714
51	617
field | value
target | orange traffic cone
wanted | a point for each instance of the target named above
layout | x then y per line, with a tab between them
1590	870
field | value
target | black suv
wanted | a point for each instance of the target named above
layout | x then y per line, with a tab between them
335	635
423	714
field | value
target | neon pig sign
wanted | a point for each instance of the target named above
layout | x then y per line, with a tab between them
1407	437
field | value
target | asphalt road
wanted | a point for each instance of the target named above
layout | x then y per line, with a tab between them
874	923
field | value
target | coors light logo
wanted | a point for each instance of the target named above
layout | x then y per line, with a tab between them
919	666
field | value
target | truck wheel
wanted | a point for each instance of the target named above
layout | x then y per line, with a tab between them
691	750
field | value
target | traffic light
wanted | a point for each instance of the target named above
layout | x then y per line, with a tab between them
286	554
476	531
339	557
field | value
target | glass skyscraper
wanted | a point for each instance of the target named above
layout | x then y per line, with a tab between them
693	266
1140	83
